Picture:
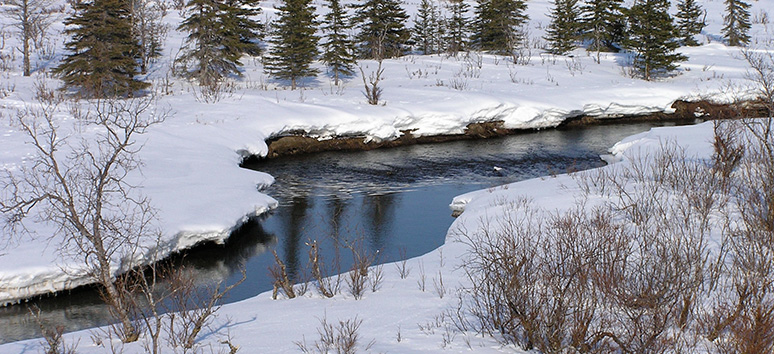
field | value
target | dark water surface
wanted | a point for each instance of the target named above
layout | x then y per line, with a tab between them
393	203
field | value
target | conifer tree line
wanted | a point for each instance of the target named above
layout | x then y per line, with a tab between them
112	42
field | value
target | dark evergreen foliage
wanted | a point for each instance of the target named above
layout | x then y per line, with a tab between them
338	49
690	21
294	44
241	31
603	24
652	38
382	29
428	28
563	32
456	37
220	32
498	24
737	22
103	59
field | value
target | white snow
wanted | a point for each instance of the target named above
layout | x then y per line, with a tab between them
192	177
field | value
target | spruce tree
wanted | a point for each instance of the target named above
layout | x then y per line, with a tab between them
602	24
427	28
382	30
240	31
456	37
338	49
497	24
294	44
220	32
103	59
652	38
737	22
690	21
563	31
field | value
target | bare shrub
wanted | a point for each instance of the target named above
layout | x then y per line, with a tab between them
357	278
625	275
340	338
191	309
372	90
761	74
402	266
741	319
54	343
327	286
279	275
376	277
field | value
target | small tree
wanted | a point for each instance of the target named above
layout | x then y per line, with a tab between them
104	52
382	29
31	19
652	38
81	189
149	29
457	26
498	24
602	22
294	42
427	28
338	49
563	31
737	22
219	34
690	21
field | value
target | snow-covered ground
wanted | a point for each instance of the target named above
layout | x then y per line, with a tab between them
191	160
401	317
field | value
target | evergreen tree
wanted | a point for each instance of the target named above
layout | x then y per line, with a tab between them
220	32
737	22
338	49
427	28
382	30
497	24
652	38
240	31
294	44
690	21
602	22
563	31
457	26
103	53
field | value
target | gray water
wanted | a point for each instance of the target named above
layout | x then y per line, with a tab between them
393	202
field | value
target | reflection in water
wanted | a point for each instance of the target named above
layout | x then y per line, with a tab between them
379	209
396	200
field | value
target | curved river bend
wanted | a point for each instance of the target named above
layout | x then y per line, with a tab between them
394	200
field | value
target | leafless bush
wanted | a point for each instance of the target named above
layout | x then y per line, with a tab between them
402	265
280	277
376	277
357	278
627	275
191	309
341	338
761	74
728	152
54	343
372	90
327	286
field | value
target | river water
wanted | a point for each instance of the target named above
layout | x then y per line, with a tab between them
392	203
